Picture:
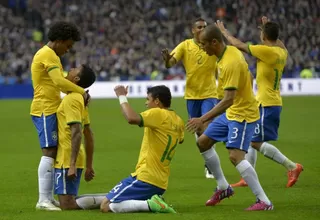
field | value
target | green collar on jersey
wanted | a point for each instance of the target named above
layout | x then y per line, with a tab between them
219	58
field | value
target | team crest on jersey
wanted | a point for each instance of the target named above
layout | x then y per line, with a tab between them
54	136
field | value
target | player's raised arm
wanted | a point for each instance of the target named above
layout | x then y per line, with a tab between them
232	40
130	115
168	58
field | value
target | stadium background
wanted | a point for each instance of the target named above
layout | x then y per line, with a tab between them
122	40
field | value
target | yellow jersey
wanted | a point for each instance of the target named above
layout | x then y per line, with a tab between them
200	70
163	131
270	64
46	95
71	110
234	74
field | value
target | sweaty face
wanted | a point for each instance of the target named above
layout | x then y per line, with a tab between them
63	47
206	45
197	28
74	73
150	102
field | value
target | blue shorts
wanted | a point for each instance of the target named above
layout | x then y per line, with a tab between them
133	189
268	124
47	129
64	186
197	108
235	134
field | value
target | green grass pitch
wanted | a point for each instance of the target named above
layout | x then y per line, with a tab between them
116	153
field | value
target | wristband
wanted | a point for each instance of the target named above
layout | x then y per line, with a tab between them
123	99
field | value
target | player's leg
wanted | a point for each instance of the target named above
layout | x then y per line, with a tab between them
206	106
47	133
90	201
194	108
239	137
217	131
269	132
67	189
132	195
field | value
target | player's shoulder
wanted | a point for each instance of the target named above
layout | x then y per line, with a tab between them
230	56
44	53
74	97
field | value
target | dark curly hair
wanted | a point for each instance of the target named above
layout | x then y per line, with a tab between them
162	93
64	31
87	77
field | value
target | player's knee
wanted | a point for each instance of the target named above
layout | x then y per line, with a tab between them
256	145
204	143
236	156
50	152
104	207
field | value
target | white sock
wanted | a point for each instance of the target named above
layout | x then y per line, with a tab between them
130	206
212	161
251	156
250	176
270	151
45	179
90	201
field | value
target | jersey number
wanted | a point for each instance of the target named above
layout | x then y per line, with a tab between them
276	79
168	152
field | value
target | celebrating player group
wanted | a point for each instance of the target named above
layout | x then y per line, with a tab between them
226	112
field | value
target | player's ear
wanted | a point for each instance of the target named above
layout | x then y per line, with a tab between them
76	79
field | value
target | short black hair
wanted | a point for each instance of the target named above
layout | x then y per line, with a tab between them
271	30
162	93
64	31
196	20
87	77
212	32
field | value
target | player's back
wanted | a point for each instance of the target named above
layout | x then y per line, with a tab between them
163	131
234	72
270	64
71	110
200	70
46	98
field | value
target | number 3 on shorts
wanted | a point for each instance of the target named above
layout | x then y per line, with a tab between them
235	133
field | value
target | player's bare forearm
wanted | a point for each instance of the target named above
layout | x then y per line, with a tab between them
170	63
64	84
89	145
76	136
221	107
281	44
237	43
130	115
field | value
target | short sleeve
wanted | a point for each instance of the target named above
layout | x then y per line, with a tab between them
179	51
73	108
231	75
51	61
86	116
263	53
151	118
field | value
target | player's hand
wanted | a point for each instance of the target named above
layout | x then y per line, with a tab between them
89	174
72	173
121	90
221	27
194	125
86	98
264	20
166	55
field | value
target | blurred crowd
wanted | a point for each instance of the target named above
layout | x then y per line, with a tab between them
122	39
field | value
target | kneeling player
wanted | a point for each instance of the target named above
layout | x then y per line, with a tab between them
73	121
164	129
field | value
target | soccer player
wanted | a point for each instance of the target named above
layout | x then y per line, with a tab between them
163	131
73	121
271	59
48	81
200	89
236	125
